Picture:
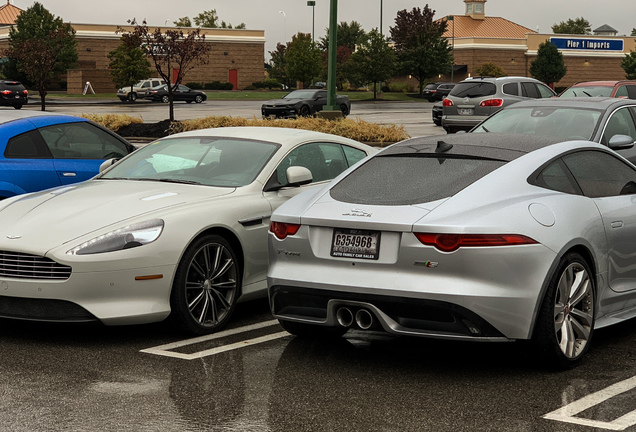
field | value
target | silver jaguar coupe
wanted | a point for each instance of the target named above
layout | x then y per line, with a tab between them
474	237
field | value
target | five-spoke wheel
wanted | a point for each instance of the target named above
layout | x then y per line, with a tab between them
565	326
206	286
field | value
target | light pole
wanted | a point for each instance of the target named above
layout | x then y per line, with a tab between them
452	18
284	26
381	1
312	3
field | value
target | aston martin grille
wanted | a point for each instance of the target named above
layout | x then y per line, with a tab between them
26	266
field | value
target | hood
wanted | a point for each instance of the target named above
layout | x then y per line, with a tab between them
41	221
281	101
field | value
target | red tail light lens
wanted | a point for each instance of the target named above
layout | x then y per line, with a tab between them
447	103
281	230
6	92
452	242
25	92
491	103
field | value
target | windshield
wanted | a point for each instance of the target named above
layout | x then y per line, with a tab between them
567	123
300	94
588	91
212	161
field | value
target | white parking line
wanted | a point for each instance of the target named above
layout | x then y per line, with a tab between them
567	413
166	350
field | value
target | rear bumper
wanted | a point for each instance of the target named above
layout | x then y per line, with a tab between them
458	121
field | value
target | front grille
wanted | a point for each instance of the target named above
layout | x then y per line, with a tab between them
26	266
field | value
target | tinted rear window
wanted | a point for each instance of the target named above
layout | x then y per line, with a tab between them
410	179
473	89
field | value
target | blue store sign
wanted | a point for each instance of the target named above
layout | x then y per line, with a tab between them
583	44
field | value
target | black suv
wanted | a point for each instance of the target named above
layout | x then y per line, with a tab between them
13	93
437	91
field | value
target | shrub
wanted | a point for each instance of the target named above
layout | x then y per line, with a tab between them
113	122
401	87
195	85
490	70
217	85
269	83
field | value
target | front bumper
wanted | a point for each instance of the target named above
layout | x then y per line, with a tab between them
112	297
278	112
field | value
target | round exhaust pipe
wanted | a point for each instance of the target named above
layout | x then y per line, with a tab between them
364	319
344	317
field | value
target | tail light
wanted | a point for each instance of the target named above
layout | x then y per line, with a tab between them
6	92
25	92
281	229
491	103
452	242
447	103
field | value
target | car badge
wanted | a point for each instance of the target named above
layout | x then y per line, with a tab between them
13	237
429	264
466	100
358	213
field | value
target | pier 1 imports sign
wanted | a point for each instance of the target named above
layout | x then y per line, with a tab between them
585	44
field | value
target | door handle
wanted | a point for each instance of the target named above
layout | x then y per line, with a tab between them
69	174
617	224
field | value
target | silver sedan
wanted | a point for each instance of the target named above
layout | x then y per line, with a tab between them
474	237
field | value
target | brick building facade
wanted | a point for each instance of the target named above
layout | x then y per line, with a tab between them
477	39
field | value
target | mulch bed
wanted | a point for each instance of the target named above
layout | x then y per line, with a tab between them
145	130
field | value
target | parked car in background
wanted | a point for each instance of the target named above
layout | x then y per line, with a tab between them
303	103
125	94
477	237
41	150
602	120
617	89
178	227
437	91
180	94
474	99
13	93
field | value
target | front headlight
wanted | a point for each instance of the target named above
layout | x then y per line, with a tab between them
123	238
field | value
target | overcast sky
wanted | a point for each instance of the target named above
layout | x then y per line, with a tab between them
297	17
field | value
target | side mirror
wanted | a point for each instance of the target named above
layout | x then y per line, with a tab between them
107	164
298	176
620	142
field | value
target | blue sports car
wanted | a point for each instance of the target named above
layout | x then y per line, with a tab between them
40	150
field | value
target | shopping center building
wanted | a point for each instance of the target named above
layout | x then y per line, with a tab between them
478	38
236	56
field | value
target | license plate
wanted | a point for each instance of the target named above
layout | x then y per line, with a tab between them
360	244
466	111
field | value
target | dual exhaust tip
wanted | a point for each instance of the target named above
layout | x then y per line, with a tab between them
362	318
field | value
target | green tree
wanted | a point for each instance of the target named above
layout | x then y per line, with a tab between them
490	69
128	64
42	47
573	26
183	22
303	58
279	64
343	69
349	35
633	32
422	50
169	50
629	65
549	66
373	61
210	19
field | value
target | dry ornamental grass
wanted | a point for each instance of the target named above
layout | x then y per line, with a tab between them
357	129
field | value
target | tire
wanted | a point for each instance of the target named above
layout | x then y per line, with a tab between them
206	286
165	99
304	111
198	98
565	323
123	99
132	96
312	331
17	106
188	101
344	110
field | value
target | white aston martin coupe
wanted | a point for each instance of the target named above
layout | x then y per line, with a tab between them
179	226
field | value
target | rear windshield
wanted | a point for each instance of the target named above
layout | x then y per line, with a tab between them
411	179
474	89
588	91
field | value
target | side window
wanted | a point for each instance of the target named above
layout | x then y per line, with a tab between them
145	85
555	177
631	90
601	174
324	160
28	145
621	92
81	140
529	89
511	89
621	123
545	91
353	155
